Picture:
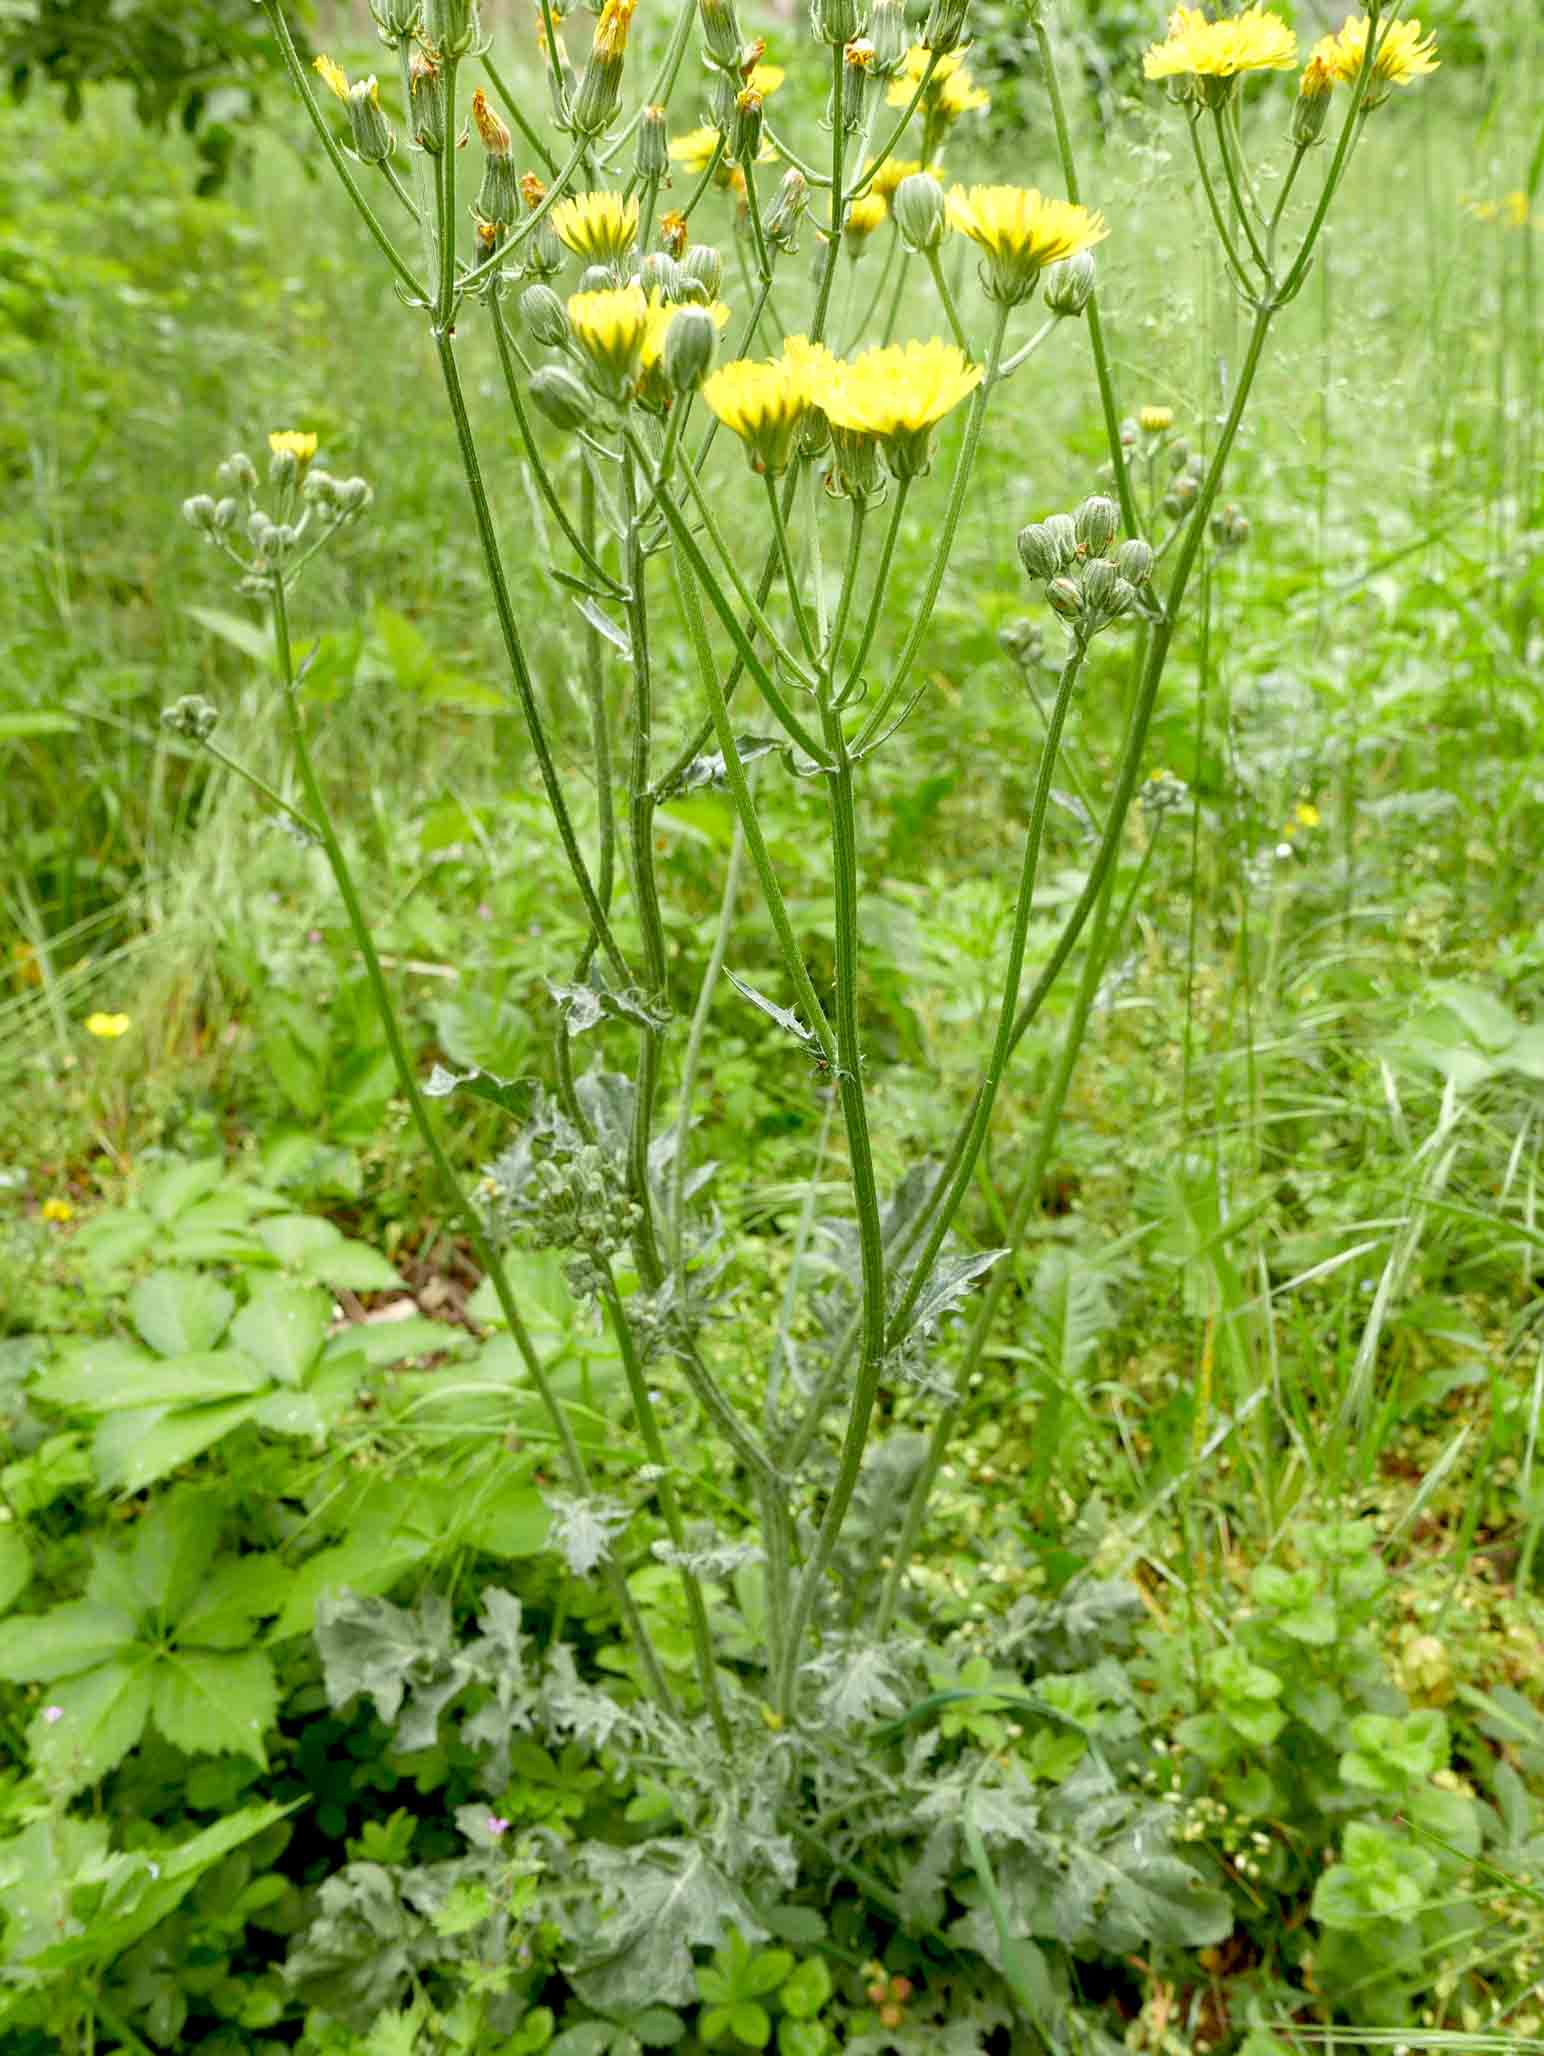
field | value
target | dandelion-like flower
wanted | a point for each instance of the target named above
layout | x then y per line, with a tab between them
950	91
1021	231
599	227
107	1027
1221	51
58	1210
654	387
1403	55
694	151
609	328
890	174
765	79
1154	420
865	214
898	393
293	442
763	404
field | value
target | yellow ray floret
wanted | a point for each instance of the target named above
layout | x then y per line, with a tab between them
763	404
599	227
609	327
866	214
1403	53
890	174
332	75
1018	222
661	314
294	442
694	151
902	389
1255	40
765	79
950	90
611	30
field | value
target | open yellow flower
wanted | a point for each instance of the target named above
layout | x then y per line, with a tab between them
57	1210
1021	232
332	75
694	151
294	443
950	92
1255	40
892	171
765	79
763	404
865	215
609	328
1154	420
107	1027
1403	54
599	227
898	393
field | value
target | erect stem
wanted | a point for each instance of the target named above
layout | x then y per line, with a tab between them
461	1207
514	651
445	192
877	595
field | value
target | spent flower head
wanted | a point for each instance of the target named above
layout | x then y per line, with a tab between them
1021	231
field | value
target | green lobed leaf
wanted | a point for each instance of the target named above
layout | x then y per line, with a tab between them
90	1723
65	1641
15	1566
282	1327
215	1702
178	1312
133	1450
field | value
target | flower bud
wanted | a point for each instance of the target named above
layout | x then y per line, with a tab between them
1179	455
1155	420
1063	533
835	21
1023	642
855	472
373	139
1230	529
1312	106
1134	561
450	27
498	197
426	103
191	716
396	19
858	63
1130	429
744	142
596	278
562	396
1066	597
691	342
238	470
921	212
544	316
653	158
1038	551
703	263
353	495
200	511
721	33
661	274
890	36
945	27
600	90
1097	523
1104	590
787	211
227	511
1068	284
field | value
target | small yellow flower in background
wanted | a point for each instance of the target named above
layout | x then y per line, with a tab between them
1255	40
865	215
763	404
609	327
1306	814
694	151
950	92
1154	420
1021	231
107	1027
58	1210
898	393
293	442
765	79
599	227
332	75
893	170
1403	54
25	965
1511	210
673	235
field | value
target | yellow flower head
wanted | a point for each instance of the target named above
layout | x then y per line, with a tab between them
898	394
694	151
292	442
1305	814
892	171
763	404
950	92
332	75
1255	40
58	1210
1021	231
108	1027
1154	420
1511	210
865	215
609	328
1403	54
599	227
611	30
765	79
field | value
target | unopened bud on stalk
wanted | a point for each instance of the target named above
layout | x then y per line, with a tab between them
703	263
835	21
426	103
1023	642
721	33
1069	284
396	19
1105	592
192	716
238	470
1063	532
1179	455
890	36
653	158
596	278
920	210
227	512
373	139
744	142
352	495
1134	561
858	64
562	396
1130	429
544	316
498	197
1181	496
1038	551
1097	523
450	26
1230	529
945	26
661	274
691	342
787	210
1312	107
200	512
1066	597
600	90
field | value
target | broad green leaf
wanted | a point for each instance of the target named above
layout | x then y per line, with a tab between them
216	1702
376	1343
39	1869
511	1520
178	1312
172	1191
104	1246
355	1267
295	1240
87	1376
282	1327
288	1412
238	1592
370	1563
807	1990
174	1546
15	1565
64	1641
240	633
132	1450
178	1381
90	1723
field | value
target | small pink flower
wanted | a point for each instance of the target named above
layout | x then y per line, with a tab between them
496	1826
53	1713
484	911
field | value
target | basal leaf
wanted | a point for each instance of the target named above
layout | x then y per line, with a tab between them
173	1547
15	1566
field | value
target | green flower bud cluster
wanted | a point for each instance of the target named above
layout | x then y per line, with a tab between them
298	487
1230	528
1091	580
1185	486
1162	794
192	717
397	20
1024	643
451	27
566	1194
